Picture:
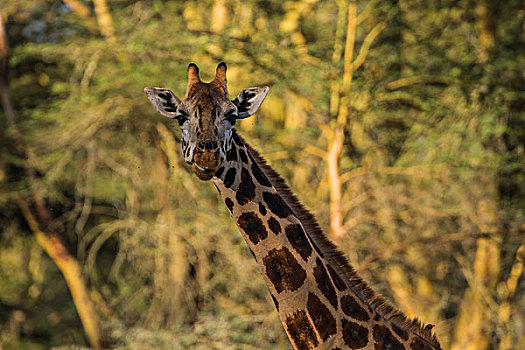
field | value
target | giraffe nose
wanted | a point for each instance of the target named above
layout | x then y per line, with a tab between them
207	146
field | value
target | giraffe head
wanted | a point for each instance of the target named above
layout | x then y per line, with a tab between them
206	117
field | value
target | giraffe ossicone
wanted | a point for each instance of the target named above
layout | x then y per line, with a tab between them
322	302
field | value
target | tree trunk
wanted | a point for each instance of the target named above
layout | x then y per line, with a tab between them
338	136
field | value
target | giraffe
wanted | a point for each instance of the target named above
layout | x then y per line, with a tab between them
321	301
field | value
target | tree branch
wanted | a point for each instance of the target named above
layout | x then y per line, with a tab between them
367	11
70	269
505	308
369	39
336	147
420	79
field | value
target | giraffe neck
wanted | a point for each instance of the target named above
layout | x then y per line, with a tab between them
321	301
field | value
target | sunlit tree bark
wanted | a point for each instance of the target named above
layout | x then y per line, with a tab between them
505	310
219	16
104	19
339	104
338	137
473	326
485	27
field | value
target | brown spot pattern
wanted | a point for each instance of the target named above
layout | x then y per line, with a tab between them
253	226
229	204
402	333
276	204
324	322
283	270
232	155
301	331
339	283
243	156
274	225
324	283
229	178
418	344
237	139
259	175
297	238
354	335
219	172
384	339
262	209
275	302
352	308
246	191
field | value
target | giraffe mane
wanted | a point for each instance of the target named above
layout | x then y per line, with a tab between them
335	256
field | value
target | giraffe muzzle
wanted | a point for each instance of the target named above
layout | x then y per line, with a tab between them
206	162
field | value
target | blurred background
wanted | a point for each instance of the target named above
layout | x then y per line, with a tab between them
400	124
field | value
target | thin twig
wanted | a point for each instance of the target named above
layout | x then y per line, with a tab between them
419	79
367	11
369	39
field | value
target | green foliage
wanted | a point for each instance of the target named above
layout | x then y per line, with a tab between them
437	129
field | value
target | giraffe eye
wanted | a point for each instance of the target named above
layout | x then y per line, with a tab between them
181	117
231	116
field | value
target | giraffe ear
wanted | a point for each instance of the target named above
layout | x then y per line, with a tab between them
164	101
249	101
